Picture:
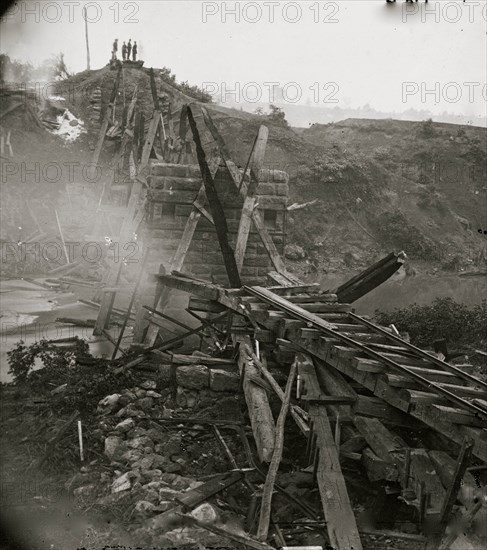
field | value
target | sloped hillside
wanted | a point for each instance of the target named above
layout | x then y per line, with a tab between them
416	186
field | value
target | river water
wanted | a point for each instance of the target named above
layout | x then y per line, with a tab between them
400	291
28	312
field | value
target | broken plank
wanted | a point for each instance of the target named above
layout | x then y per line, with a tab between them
422	470
340	520
216	208
200	494
445	466
221	531
265	510
256	160
260	414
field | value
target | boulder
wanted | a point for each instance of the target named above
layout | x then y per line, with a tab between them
144	509
186	399
152	476
205	513
115	447
221	380
109	403
123	482
160	462
146	462
164	506
154	394
125	426
294	252
145	403
158	436
132	455
140	442
148	385
193	377
173	467
172	446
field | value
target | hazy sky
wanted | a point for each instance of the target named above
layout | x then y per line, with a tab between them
386	55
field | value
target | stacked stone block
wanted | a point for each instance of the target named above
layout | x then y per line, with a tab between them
172	191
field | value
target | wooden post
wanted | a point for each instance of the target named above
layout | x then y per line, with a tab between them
132	299
256	160
216	208
62	237
260	414
266	239
265	509
80	441
452	492
87	42
106	121
129	226
340	520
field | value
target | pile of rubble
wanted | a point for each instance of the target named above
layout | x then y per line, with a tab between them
154	458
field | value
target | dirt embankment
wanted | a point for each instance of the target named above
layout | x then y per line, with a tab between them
380	185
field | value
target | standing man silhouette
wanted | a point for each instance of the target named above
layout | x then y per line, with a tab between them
129	48
134	51
115	49
124	51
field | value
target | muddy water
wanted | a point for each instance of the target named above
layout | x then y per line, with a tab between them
401	291
28	312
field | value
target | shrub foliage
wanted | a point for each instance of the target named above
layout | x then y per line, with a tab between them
443	318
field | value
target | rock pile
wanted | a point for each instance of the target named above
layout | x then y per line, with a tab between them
153	458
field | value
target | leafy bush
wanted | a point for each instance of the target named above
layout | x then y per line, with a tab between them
427	129
443	318
87	379
277	116
56	360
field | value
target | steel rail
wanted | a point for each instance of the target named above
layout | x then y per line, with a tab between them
419	352
308	317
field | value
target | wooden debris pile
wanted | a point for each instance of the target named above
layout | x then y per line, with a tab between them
362	396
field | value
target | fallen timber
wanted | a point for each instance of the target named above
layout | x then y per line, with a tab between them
371	278
442	407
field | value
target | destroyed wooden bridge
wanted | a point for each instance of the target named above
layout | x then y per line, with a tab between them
361	375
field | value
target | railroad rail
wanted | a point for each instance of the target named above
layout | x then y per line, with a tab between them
438	393
441	395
